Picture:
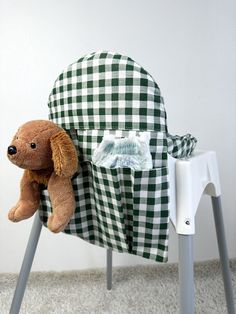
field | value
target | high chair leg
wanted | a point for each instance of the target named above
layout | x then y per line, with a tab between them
186	276
26	265
109	269
220	233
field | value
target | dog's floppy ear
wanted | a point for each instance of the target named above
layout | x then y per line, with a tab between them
64	154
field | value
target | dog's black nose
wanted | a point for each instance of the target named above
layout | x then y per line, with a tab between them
12	150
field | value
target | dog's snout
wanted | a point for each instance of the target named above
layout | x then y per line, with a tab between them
12	150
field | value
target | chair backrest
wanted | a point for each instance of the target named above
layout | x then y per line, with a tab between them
108	93
107	90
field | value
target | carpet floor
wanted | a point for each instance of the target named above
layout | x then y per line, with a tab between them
136	290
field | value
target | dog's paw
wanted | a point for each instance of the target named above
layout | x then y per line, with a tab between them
11	214
22	210
57	223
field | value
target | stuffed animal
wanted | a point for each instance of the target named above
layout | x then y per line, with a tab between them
49	158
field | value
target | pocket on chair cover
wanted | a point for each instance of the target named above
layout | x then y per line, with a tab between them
150	215
132	209
109	207
119	208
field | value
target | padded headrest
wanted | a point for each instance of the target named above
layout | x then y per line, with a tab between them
106	90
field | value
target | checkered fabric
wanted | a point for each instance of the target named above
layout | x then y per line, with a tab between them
113	91
126	210
181	146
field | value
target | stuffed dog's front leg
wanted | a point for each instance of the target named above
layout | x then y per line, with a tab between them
29	199
63	202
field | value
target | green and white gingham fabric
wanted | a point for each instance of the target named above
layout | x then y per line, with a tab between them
126	210
181	146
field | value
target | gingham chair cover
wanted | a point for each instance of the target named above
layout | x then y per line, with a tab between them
119	208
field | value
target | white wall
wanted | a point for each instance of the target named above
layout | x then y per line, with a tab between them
188	46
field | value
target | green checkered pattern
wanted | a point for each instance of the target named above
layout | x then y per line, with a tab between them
181	146
126	210
113	92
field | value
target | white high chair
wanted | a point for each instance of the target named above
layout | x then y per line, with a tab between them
105	92
189	179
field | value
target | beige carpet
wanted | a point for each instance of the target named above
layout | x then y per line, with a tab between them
140	289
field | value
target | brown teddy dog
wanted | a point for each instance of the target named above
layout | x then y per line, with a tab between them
49	157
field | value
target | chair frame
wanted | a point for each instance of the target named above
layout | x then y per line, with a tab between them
185	246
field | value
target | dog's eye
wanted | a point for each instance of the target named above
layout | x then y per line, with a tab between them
33	145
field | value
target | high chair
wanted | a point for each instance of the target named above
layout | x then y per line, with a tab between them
121	209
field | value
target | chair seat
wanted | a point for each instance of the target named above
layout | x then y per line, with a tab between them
189	179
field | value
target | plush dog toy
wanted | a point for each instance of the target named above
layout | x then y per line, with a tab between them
49	157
